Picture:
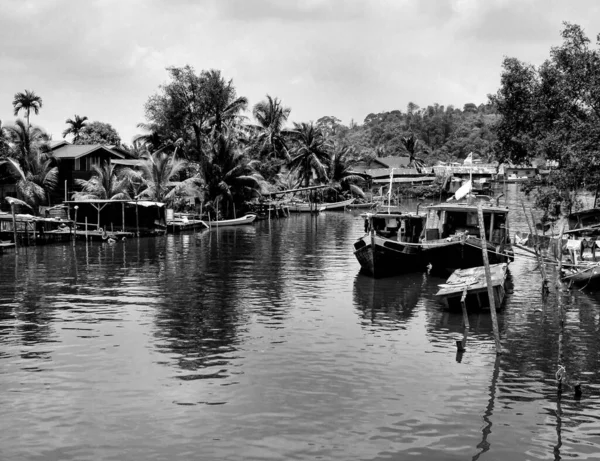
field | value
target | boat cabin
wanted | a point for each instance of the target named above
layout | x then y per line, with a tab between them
584	219
402	227
447	221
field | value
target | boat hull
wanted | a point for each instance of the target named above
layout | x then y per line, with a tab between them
447	257
248	219
380	257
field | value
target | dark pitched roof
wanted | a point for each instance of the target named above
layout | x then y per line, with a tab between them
73	151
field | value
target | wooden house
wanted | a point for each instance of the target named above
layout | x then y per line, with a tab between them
75	162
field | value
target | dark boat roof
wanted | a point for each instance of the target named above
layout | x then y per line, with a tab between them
467	208
585	212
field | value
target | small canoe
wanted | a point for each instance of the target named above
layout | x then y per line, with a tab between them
338	205
248	219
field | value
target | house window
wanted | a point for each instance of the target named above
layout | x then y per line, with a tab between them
77	165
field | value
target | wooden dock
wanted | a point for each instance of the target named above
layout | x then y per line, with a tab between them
5	247
472	281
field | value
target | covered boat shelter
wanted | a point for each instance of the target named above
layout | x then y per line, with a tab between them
140	216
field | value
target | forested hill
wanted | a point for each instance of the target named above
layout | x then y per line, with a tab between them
444	133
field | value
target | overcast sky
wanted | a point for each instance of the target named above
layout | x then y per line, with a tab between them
346	58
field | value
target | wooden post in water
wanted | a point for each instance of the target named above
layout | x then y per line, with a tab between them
14	220
536	249
86	229
488	277
123	216
137	220
75	225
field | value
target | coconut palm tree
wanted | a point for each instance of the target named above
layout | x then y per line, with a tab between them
26	139
271	117
342	178
159	173
411	144
27	102
230	175
4	140
75	126
104	184
310	153
37	180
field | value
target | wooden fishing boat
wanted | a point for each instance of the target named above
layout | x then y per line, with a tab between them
452	239
390	244
248	219
473	282
445	239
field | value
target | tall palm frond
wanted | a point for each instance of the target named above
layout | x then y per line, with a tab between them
310	153
27	102
271	117
75	126
411	144
104	184
159	172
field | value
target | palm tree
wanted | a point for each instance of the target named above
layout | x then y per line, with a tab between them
159	172
4	140
104	184
37	180
309	154
341	175
271	118
231	175
27	101
411	144
75	127
26	139
152	140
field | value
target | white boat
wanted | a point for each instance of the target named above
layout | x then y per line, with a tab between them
316	207
338	205
305	207
248	219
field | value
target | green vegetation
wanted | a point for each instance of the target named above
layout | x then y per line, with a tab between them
552	112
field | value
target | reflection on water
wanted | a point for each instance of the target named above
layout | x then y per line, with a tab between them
264	342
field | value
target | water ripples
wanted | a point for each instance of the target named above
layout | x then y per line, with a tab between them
265	342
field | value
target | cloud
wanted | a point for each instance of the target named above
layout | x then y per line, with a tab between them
104	58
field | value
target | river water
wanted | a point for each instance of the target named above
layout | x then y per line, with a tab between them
264	342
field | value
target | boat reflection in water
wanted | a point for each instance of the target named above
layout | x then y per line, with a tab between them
388	302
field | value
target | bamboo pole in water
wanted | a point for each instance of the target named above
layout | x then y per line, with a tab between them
488	277
536	249
75	225
14	220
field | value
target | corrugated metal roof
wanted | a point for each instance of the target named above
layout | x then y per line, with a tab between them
406	180
381	172
80	150
126	162
393	162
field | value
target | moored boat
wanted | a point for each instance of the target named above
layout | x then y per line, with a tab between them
472	284
337	205
391	243
445	239
248	219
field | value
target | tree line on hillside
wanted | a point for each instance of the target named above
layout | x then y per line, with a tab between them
198	141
